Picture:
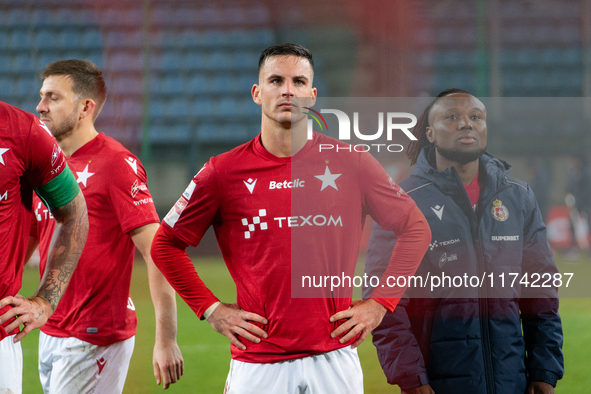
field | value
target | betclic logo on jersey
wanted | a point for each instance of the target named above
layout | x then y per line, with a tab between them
388	125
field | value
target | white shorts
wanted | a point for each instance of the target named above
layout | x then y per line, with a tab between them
72	366
336	372
11	366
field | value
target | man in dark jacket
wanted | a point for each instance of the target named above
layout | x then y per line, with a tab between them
486	230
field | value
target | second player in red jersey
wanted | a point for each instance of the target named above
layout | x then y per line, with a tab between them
89	341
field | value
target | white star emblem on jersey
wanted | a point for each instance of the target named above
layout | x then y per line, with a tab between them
3	151
84	175
328	179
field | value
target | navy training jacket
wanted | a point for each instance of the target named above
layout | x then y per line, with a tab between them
469	339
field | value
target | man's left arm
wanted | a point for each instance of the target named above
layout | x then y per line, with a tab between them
167	359
542	328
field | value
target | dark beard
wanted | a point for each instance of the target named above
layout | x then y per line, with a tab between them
66	127
460	156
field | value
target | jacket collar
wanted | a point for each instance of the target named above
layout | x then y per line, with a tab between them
491	168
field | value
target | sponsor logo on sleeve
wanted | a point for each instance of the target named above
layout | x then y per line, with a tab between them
136	187
175	212
189	190
4	196
55	154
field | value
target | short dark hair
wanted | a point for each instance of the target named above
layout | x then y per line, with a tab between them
87	79
420	130
283	50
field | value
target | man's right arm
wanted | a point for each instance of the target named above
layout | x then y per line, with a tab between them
169	255
70	237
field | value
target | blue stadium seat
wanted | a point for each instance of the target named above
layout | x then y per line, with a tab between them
164	38
17	17
220	61
125	61
96	58
207	132
196	60
223	83
47	58
172	84
572	56
108	111
45	39
6	88
245	60
260	38
91	39
202	107
177	109
180	133
245	82
126	85
197	84
124	39
87	17
28	87
188	38
69	39
171	61
130	108
225	108
20	40
23	64
64	16
156	108
41	17
258	15
247	107
5	64
212	38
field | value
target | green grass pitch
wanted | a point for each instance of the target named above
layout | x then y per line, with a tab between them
207	353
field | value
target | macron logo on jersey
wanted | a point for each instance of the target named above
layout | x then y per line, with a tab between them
132	163
438	211
250	184
101	364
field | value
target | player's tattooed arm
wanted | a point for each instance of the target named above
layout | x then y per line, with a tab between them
68	241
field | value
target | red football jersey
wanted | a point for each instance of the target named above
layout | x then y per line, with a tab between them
29	158
96	307
278	219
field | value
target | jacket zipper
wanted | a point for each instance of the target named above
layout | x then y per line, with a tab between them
483	302
482	293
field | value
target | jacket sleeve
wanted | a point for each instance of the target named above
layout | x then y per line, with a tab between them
542	328
397	348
